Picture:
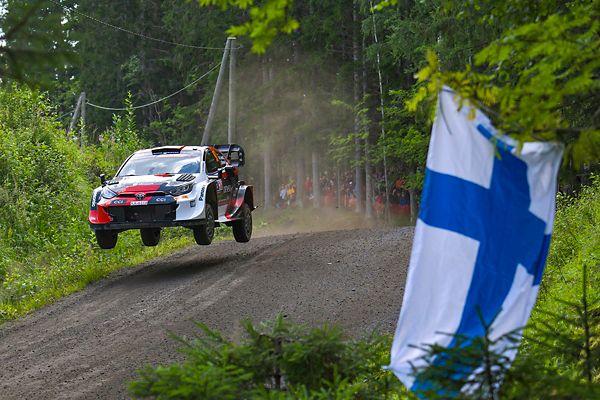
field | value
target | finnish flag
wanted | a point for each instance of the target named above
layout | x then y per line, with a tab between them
481	239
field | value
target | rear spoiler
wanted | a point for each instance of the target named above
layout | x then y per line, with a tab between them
232	152
167	150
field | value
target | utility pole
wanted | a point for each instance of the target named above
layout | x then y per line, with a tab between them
232	104
216	94
82	133
79	111
75	113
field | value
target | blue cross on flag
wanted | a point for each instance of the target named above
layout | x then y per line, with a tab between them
481	239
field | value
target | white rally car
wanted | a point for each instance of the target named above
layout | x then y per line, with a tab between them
192	186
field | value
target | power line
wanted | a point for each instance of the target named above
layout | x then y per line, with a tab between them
156	101
144	36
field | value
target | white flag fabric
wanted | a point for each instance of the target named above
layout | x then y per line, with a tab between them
481	239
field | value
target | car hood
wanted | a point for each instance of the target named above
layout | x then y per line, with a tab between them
148	183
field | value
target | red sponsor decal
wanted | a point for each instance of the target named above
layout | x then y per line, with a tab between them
141	188
234	207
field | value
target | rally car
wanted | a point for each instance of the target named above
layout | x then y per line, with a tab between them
192	186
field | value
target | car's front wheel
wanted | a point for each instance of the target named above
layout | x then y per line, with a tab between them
204	234
107	239
150	236
242	228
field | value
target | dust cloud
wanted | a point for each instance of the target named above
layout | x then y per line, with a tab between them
294	110
291	221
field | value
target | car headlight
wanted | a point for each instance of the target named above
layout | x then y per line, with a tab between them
181	189
107	193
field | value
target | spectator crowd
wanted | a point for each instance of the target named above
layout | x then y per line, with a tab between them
399	196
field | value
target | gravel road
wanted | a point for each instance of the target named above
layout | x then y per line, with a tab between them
90	344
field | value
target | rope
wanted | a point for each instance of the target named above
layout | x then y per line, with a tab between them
132	32
156	101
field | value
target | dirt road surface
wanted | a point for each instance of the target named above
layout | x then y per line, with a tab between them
89	345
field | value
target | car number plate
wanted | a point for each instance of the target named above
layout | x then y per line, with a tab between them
139	203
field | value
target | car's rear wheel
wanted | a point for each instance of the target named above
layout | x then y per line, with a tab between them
204	234
107	239
150	236
242	228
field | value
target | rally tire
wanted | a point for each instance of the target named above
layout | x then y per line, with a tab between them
150	236
242	228
204	234
106	239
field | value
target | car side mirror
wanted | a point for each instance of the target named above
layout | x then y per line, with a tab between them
103	179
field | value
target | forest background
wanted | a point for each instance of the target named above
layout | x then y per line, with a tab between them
312	97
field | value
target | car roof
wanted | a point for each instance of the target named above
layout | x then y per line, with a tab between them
172	150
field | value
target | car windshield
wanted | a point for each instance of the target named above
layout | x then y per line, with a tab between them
161	164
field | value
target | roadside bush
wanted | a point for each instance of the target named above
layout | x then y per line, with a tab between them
275	360
47	249
565	324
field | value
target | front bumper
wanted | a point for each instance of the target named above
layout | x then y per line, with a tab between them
123	226
158	212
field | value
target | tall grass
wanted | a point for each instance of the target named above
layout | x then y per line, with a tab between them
47	249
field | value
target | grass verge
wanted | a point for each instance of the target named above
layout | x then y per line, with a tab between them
49	277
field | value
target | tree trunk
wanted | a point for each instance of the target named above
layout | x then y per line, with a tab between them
386	212
358	177
413	204
268	168
368	172
299	177
315	178
368	183
339	188
267	174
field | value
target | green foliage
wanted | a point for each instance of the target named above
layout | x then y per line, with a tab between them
266	20
540	77
561	348
47	249
33	41
407	139
275	360
343	143
568	311
118	142
474	369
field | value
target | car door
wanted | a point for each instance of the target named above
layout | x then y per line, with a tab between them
228	176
